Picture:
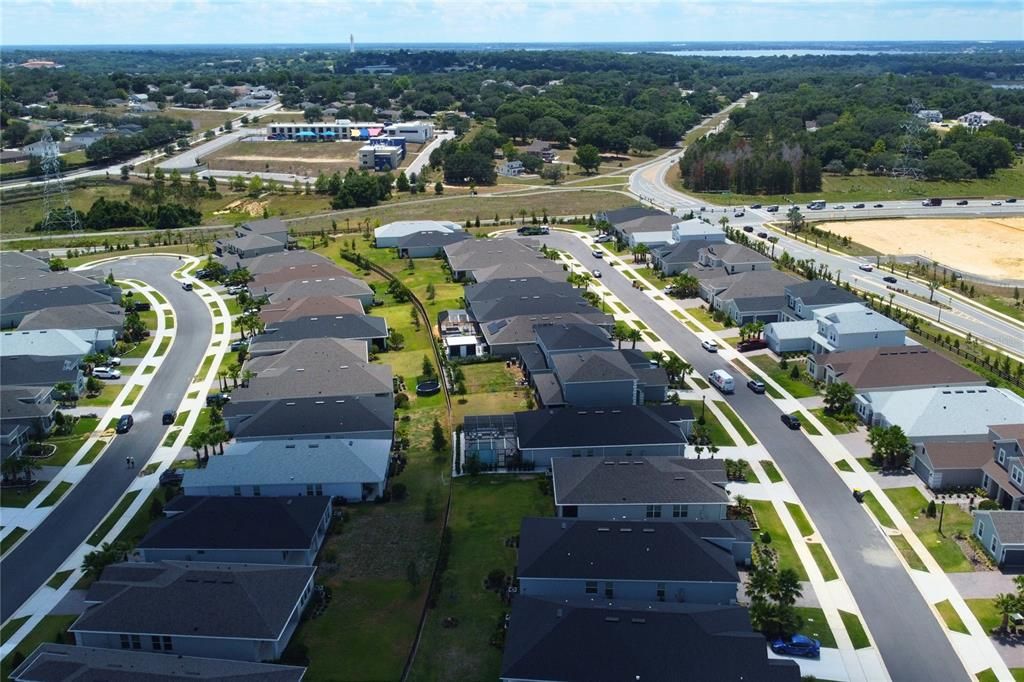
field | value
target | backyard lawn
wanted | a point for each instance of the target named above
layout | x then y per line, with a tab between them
769	522
798	388
942	546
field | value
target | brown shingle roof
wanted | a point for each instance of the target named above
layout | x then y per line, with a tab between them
895	366
1009	432
311	306
294	272
959	454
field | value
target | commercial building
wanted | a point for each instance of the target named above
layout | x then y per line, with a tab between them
340	130
978	119
417	132
381	156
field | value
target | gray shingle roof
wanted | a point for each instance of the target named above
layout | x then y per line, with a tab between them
519	329
310	306
315	367
821	292
629	425
327	286
567	336
683	252
480	254
274	261
33	300
622	215
336	326
560	548
33	370
641	480
1009	525
438	239
266	226
568	640
66	663
754	284
91	316
602	365
195	600
253	241
310	416
278	523
23	402
662	222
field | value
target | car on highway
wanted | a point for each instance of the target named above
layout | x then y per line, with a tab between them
596	273
187	286
124	424
756	386
1011	200
709	346
797	645
878	206
840	207
748	228
997	203
597	254
772	209
792	421
962	202
762	234
890	279
866	267
755	206
168	417
858	205
103	372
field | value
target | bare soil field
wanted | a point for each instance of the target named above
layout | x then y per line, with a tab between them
993	247
297	158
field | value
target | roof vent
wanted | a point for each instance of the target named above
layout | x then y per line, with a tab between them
625	530
638	621
599	530
611	619
648	530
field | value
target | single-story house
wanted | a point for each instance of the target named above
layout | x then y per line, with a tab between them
388	236
951	464
369	328
804	298
232	611
267	282
650	230
732	259
565	640
64	663
355	470
1001	533
45	343
697	229
756	295
505	336
312	417
639	489
38	371
891	368
272	262
240	530
309	306
322	286
268	227
427	244
92	316
480	259
951	414
248	246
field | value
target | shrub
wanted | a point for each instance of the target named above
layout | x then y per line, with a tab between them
399	492
495	579
795	372
989	504
784	363
401	400
931	509
766	537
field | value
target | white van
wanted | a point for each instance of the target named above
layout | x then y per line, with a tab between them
722	381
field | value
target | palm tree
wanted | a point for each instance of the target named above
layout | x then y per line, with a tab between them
197	440
217	436
634	335
1006	604
222	374
233	371
246	375
585	279
686	285
658	357
724	222
642	250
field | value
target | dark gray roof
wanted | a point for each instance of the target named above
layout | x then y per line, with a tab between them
754	284
338	327
253	241
623	215
195	600
516	287
559	640
638	480
561	548
651	376
40	299
683	252
91	316
515	306
759	303
326	286
592	365
266	226
310	416
35	370
568	336
1009	526
630	425
276	523
549	391
274	261
315	367
673	413
662	222
519	329
429	238
66	663
24	402
532	358
821	292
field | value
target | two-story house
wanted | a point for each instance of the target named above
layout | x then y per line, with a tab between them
803	298
26	413
732	258
1004	475
257	238
851	326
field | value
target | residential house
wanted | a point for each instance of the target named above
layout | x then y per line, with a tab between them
26	413
952	414
506	336
499	299
232	611
838	328
311	417
388	236
891	368
978	119
732	259
370	329
541	149
1003	475
427	244
1001	533
45	343
564	640
946	465
650	230
752	296
510	169
676	258
309	306
479	259
697	229
804	298
63	663
82	319
272	262
27	285
604	378
43	372
257	238
340	285
353	470
639	489
460	334
636	561
242	530
930	115
268	282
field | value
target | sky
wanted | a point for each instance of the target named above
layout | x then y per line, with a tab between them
149	22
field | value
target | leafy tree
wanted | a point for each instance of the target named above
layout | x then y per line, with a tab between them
685	286
402	184
588	158
437	437
312	114
838	397
890	447
553	172
438	188
514	125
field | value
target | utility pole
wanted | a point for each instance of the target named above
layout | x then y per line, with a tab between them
942	510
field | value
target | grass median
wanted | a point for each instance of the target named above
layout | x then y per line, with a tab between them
737	423
769	522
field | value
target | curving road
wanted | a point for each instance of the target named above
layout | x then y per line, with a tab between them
910	640
71	522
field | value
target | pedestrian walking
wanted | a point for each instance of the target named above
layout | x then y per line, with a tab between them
132	460
127	461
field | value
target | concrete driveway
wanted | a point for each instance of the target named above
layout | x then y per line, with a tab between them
42	551
910	639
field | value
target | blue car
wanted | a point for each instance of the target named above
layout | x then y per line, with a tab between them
797	645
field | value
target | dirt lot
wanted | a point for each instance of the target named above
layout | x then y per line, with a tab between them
990	247
298	158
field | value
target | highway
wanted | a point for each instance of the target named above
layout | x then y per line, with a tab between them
909	638
43	550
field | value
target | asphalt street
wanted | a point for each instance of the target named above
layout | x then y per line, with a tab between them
910	640
71	522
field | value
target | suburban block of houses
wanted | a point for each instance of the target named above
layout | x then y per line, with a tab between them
257	238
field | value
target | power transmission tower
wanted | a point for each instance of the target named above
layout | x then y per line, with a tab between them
57	211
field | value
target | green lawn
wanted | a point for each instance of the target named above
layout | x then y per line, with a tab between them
716	432
798	388
986	613
21	496
171	436
876	509
768	521
809	428
49	629
165	343
800	519
951	617
56	494
58	578
11	538
844	465
93	452
133	395
771	470
942	546
699	383
137	526
11	627
485	511
989	676
105	398
855	628
832	424
204	368
704	317
816	625
828	570
67	446
911	557
112	518
140	349
867	464
736	422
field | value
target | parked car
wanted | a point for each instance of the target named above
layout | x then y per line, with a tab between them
797	645
709	346
890	279
602	238
596	253
113	361
169	417
748	228
124	424
217	399
866	267
858	205
962	202
172	477
202	273
792	421
756	386
239	345
187	286
739	214
751	344
762	234
106	373
596	273
141	306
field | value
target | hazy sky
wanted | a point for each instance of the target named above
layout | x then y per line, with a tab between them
77	22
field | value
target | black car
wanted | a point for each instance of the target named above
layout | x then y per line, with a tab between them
169	417
756	386
890	279
202	273
217	399
141	306
792	421
879	206
172	477
962	202
858	205
239	345
755	206
1011	200
124	424
748	228
762	235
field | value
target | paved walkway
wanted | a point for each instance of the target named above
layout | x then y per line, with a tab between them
71	604
982	584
